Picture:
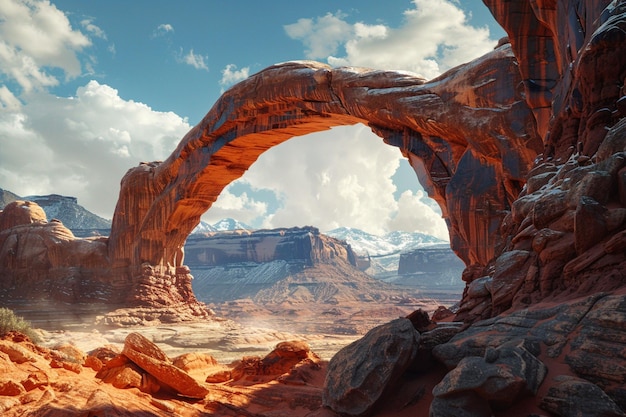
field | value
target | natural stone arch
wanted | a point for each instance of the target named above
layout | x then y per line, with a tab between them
468	134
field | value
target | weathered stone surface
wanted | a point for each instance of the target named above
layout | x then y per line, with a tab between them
428	340
40	257
360	373
502	377
305	244
588	333
282	360
576	397
509	275
11	388
16	353
590	224
20	213
467	404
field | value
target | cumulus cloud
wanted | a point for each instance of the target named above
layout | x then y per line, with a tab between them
417	214
8	100
35	35
82	145
195	60
321	36
239	206
231	75
332	179
435	35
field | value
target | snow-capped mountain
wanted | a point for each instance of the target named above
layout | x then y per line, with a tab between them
220	226
384	251
69	212
364	243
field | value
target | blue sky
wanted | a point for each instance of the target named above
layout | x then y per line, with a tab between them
88	89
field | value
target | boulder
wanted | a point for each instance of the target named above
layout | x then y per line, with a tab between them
360	373
149	357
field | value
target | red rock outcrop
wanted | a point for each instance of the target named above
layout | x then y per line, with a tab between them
60	382
40	259
564	236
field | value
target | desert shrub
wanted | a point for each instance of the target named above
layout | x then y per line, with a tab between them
11	322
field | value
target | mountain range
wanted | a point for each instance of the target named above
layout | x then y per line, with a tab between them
66	209
382	251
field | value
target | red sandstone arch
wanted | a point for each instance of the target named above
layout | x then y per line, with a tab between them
468	135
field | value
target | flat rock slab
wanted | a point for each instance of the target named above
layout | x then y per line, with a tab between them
151	359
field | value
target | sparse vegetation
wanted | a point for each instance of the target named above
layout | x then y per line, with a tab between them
9	321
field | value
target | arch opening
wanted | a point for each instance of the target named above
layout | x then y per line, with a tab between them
344	177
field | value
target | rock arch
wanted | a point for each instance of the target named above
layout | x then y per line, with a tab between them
468	134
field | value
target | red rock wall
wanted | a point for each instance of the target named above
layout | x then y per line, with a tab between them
565	235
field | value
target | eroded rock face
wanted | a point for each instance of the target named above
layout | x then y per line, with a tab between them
564	235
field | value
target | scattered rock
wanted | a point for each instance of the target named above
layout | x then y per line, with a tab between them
420	320
16	352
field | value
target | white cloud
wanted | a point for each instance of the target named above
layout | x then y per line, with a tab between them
35	35
241	207
82	145
332	179
195	60
8	100
322	36
415	214
93	29
162	29
434	36
231	75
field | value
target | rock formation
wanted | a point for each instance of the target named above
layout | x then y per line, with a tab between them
142	380
524	149
451	130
